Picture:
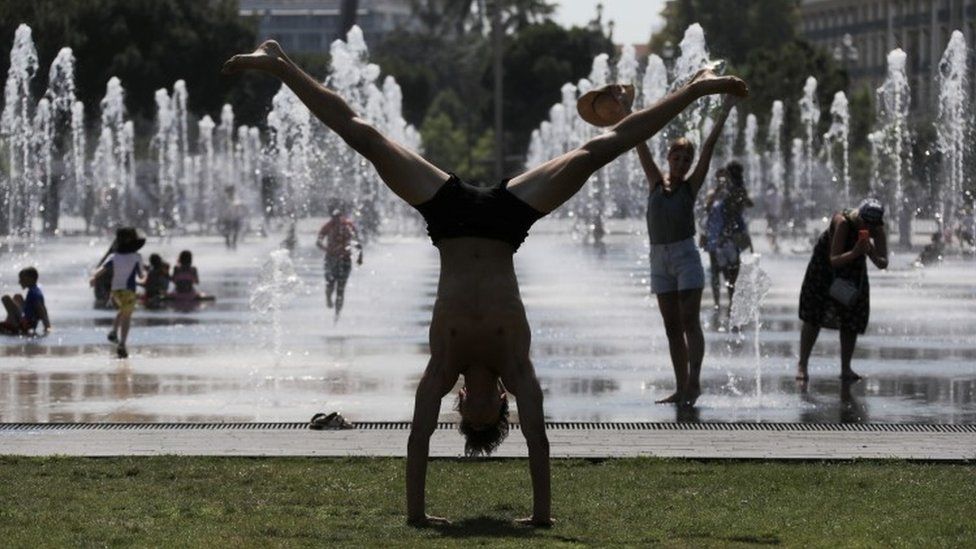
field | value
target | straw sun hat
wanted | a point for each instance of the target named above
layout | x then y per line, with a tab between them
594	111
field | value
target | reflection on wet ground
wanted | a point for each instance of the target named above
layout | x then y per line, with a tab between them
598	342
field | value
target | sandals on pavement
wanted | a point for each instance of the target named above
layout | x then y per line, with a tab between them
333	421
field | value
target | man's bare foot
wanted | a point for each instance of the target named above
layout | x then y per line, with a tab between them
712	83
541	523
676	397
850	375
428	520
266	57
691	396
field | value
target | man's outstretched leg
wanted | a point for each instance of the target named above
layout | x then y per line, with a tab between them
547	186
405	172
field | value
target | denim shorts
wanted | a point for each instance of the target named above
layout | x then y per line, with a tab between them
676	266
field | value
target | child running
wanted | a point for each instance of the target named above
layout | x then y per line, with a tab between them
340	233
24	312
126	267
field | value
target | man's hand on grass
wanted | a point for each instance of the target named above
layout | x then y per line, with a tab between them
537	523
428	520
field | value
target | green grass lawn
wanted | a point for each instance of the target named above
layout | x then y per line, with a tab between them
174	501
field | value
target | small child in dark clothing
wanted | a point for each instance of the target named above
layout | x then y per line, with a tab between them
185	277
25	312
157	281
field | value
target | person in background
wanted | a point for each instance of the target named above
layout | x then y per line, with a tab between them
126	266
735	231
337	238
711	237
839	261
25	312
157	282
677	275
232	217
773	206
185	277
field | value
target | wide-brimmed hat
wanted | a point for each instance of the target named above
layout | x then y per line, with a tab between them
586	105
129	240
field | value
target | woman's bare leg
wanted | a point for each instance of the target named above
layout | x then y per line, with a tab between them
848	340
405	172
808	336
547	186
690	304
670	307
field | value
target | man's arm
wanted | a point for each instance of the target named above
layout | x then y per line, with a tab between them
533	423
426	408
322	232
698	176
42	314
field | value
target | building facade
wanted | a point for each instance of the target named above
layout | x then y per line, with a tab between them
860	33
309	26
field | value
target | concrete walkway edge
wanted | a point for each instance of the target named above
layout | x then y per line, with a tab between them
674	442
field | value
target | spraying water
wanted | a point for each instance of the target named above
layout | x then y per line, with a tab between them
17	192
893	140
839	134
61	95
954	125
753	159
730	136
774	137
206	184
809	117
654	88
694	57
751	289
82	185
112	164
277	286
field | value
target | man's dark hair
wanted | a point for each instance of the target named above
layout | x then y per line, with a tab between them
482	442
30	273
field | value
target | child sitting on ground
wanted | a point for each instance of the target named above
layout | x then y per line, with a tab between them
157	281
932	253
185	277
24	312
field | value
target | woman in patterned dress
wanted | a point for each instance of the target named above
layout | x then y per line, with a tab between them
841	252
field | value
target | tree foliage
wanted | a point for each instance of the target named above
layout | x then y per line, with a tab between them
781	74
148	44
538	60
758	38
460	17
734	28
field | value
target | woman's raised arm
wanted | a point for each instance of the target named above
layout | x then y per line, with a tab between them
698	176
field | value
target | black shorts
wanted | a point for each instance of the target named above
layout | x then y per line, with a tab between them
337	268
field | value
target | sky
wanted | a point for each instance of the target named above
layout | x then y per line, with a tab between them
634	20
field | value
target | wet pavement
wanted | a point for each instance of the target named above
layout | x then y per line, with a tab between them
598	341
